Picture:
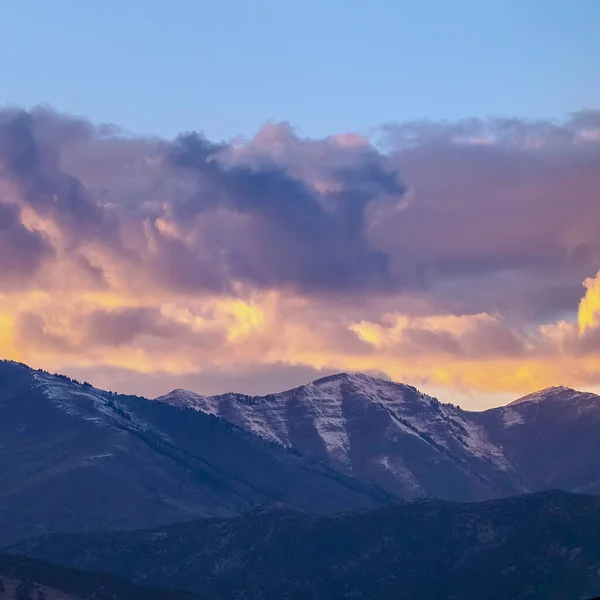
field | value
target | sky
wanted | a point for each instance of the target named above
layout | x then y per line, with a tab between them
246	196
227	67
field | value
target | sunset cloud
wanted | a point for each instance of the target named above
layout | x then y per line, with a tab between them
461	255
589	307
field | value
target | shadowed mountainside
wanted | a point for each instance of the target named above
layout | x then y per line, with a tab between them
23	578
75	458
538	547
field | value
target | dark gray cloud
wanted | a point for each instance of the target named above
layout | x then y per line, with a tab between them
22	251
297	235
30	152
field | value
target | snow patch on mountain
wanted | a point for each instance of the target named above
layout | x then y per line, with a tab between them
67	396
400	471
480	446
86	402
512	417
326	408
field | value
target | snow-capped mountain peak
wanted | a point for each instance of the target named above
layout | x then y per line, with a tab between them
555	393
182	398
352	378
374	387
362	425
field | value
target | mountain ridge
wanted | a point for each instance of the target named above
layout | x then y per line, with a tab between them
332	419
348	375
552	391
373	438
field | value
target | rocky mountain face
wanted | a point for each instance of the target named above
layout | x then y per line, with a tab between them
537	547
24	578
412	445
75	458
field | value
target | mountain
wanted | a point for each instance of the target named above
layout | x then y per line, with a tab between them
413	445
386	432
75	458
24	578
534	547
550	438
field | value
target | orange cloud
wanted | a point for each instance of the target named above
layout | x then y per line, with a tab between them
470	352
589	307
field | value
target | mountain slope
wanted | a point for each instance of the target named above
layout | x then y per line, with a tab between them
413	445
389	433
550	437
76	458
23	578
539	546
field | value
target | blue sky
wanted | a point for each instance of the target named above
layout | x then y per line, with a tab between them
326	66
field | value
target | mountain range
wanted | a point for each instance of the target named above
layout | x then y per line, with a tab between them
348	487
77	458
412	445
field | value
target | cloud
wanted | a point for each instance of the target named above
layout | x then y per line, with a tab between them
117	328
31	326
473	336
449	254
30	146
498	199
301	225
22	251
589	307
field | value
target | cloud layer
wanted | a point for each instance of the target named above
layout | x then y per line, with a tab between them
460	255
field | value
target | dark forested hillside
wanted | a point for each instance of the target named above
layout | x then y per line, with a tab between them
542	546
24	578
